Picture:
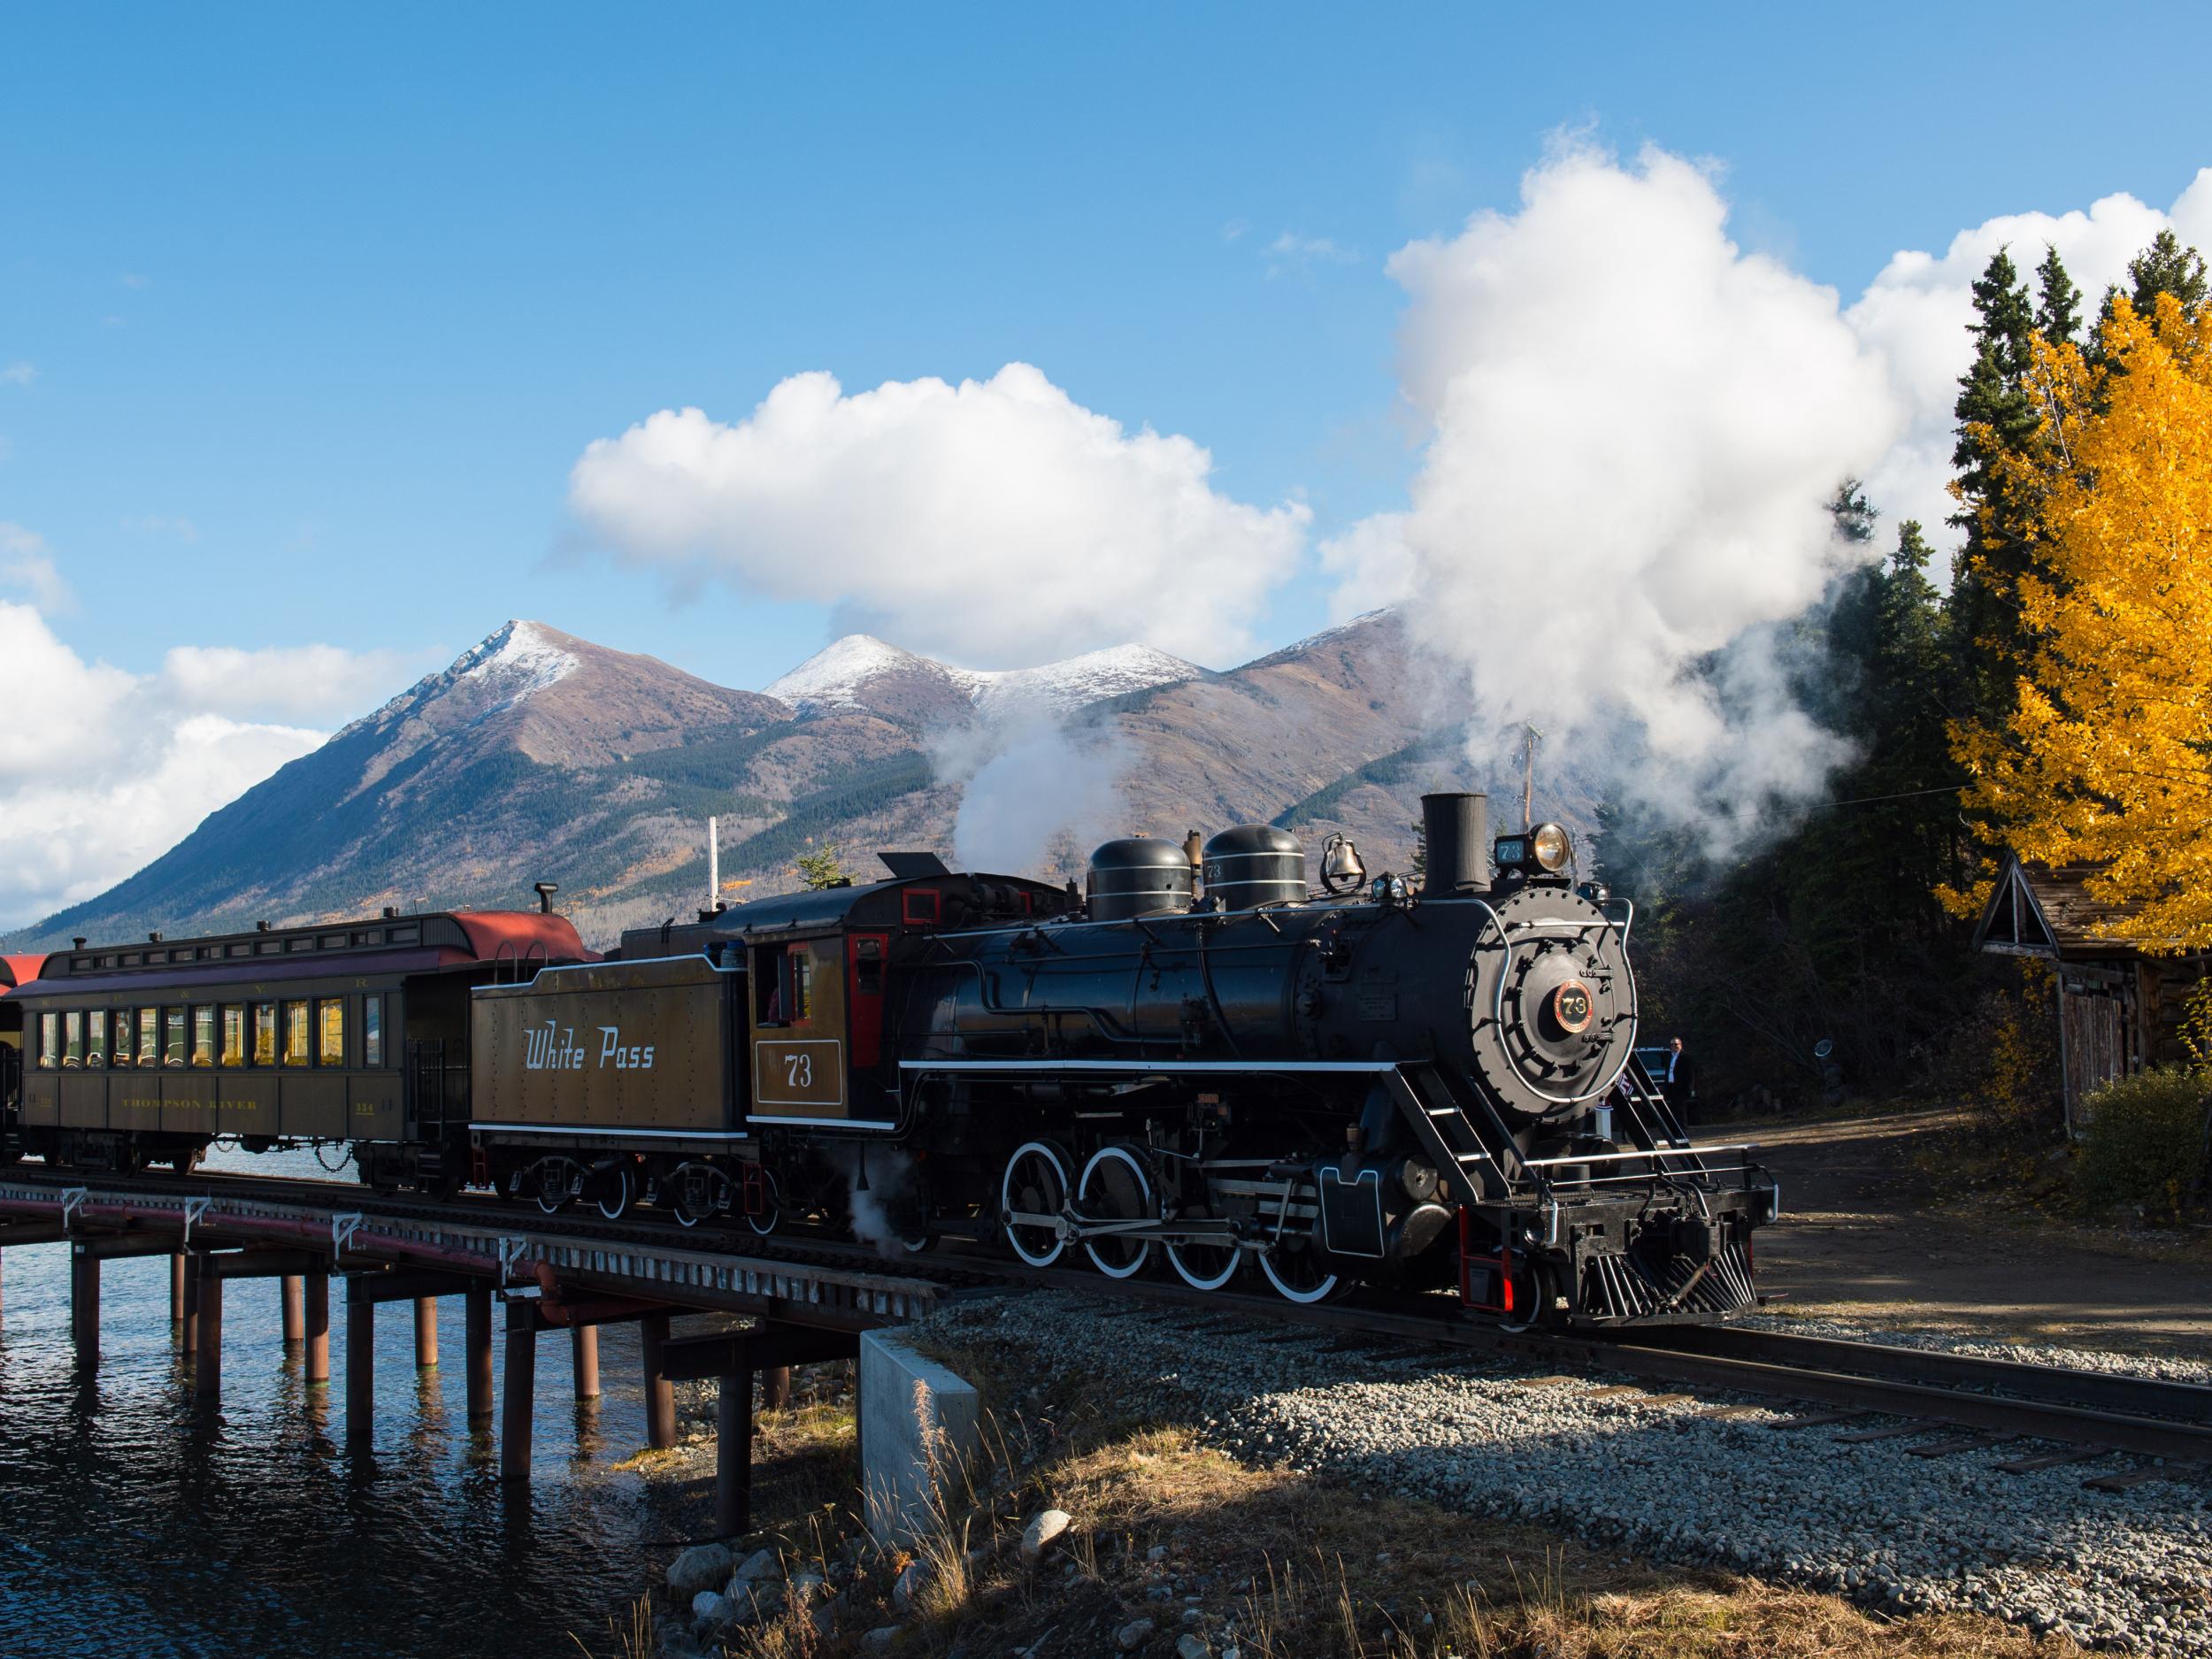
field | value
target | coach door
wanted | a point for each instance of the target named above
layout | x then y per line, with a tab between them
800	1040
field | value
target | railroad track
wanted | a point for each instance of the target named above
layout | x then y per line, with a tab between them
1995	1399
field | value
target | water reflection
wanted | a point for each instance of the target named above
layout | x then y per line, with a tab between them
136	1521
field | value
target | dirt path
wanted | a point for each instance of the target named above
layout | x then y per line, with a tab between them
1858	1240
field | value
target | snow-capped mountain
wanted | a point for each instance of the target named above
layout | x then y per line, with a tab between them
863	672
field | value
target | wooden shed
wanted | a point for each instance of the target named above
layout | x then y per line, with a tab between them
2121	997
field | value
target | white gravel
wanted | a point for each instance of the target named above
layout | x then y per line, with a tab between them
2131	1571
2169	1368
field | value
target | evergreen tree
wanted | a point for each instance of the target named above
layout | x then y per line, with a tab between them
820	867
2058	307
2167	266
1997	418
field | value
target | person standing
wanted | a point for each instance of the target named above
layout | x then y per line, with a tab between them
1681	1079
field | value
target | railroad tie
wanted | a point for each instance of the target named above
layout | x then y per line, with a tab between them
1724	1412
1895	1431
2050	1459
2136	1476
1817	1420
1542	1382
1950	1448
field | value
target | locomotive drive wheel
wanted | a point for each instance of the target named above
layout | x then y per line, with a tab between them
1114	1188
1035	1184
1203	1266
1294	1267
771	1205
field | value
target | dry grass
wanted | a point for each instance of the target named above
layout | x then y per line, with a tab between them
1287	1567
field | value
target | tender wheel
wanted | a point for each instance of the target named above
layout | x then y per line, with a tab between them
1114	1188
1035	1184
1294	1267
615	1190
1203	1266
552	1185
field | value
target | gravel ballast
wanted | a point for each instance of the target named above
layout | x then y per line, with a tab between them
2129	1569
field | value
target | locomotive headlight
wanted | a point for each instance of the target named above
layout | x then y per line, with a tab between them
1550	847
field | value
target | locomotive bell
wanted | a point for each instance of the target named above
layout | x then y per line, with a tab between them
1341	866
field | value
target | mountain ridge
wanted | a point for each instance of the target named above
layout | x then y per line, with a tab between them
539	755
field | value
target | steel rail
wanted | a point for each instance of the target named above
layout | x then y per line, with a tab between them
2147	1416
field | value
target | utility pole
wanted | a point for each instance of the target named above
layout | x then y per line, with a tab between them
714	867
1529	736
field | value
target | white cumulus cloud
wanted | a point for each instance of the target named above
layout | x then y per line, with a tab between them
996	522
1915	313
1635	426
103	770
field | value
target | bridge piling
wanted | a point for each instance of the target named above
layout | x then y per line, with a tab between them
583	1353
425	1333
292	1293
207	1377
84	1304
522	1377
176	1288
660	1392
315	1327
775	1388
360	1363
189	1327
477	1303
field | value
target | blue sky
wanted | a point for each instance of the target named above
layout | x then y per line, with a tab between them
347	293
330	340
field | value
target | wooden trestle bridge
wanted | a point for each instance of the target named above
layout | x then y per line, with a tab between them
544	1273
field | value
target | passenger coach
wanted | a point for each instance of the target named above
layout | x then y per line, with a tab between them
354	1032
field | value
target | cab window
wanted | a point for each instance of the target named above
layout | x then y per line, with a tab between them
787	987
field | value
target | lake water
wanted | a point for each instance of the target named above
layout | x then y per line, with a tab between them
133	1523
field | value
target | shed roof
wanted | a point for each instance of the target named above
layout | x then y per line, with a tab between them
2046	911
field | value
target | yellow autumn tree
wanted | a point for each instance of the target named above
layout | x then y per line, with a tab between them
2107	757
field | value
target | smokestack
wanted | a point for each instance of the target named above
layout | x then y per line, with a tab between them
1456	830
545	891
714	866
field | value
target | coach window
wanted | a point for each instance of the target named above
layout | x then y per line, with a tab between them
296	1034
173	1036
203	1035
330	1032
72	1040
120	1036
149	1036
265	1027
373	1031
234	1034
95	1039
48	1041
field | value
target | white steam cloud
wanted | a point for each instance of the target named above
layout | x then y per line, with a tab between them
995	521
1035	792
1635	428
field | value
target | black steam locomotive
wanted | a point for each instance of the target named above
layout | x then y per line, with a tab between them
1201	1062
